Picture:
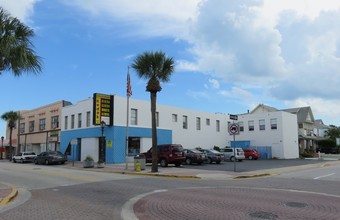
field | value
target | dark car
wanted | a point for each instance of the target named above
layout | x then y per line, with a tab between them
167	154
195	156
251	154
50	157
213	156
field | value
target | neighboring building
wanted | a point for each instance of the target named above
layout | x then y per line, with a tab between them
39	128
267	127
320	128
174	125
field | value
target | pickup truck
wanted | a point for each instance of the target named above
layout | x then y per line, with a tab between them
24	157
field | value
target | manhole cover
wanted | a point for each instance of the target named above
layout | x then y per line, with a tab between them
296	204
263	215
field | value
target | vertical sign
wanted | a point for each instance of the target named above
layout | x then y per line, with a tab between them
102	109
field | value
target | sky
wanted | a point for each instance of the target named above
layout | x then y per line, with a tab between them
229	55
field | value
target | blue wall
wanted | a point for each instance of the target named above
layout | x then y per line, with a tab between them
116	134
264	151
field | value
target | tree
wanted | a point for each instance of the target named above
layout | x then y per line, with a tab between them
154	67
16	49
333	133
11	118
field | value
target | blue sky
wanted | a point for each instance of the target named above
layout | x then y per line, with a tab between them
230	55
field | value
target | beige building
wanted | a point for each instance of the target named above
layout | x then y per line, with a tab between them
39	128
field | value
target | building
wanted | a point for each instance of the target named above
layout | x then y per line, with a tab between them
82	136
39	129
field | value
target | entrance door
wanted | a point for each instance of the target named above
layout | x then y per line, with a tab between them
134	146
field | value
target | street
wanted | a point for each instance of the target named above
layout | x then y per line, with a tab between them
54	192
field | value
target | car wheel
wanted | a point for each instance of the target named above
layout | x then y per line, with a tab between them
232	159
188	161
163	163
35	161
21	161
218	162
177	164
250	157
46	162
209	160
14	161
200	163
239	160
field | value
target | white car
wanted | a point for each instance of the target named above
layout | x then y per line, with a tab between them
229	153
24	157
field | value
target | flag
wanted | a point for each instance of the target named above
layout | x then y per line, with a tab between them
128	84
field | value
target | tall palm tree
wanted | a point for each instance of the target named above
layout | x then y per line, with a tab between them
156	68
16	49
11	118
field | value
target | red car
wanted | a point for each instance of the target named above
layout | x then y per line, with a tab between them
251	154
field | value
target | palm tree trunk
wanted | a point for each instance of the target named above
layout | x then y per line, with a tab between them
154	168
10	144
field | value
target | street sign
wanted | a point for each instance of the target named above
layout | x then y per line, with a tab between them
233	117
233	129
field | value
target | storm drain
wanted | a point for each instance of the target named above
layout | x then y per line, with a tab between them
296	204
263	215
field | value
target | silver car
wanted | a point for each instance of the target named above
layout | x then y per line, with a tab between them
229	154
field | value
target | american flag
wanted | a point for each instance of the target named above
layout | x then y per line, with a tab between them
128	84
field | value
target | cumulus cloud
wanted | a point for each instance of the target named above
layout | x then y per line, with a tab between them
22	9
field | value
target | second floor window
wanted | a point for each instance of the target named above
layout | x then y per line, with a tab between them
262	125
66	123
273	124
198	123
133	117
174	118
218	125
55	122
79	120
207	121
185	122
251	125
42	123
31	126
22	127
241	126
72	121
88	119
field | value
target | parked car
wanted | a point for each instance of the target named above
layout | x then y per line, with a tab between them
167	154
50	157
229	154
195	156
251	154
24	157
213	156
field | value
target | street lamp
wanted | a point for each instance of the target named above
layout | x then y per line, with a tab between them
2	146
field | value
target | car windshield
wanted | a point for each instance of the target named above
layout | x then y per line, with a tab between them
177	148
29	153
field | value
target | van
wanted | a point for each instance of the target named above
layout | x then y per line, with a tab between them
229	154
167	154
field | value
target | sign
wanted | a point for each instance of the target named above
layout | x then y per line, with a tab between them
233	117
102	109
233	128
109	143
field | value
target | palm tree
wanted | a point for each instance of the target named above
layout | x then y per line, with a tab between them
156	68
16	49
11	118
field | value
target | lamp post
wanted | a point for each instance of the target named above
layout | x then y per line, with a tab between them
102	144
2	146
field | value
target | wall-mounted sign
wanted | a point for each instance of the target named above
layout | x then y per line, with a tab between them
102	109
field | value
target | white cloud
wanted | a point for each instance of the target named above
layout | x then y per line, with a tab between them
214	83
22	9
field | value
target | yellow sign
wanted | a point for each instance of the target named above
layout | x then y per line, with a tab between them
109	143
102	109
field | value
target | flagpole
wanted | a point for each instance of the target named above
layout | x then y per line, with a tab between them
128	93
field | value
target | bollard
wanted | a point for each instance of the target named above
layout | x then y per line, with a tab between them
137	166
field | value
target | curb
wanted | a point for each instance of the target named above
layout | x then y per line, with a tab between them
9	197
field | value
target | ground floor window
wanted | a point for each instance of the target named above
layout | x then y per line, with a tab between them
134	146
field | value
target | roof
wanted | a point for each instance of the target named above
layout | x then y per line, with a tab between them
263	108
304	114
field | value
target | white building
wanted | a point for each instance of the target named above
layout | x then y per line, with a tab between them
276	130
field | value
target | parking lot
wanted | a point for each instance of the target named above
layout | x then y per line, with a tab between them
253	165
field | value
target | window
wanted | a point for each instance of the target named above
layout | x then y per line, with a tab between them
55	122
133	118
207	122
42	123
273	123
88	119
218	125
31	126
66	123
72	121
174	118
185	122
79	120
251	125
262	125
198	123
22	127
157	119
241	126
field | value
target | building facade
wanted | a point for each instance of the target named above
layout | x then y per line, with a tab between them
39	129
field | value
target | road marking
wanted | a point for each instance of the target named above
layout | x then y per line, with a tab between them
319	177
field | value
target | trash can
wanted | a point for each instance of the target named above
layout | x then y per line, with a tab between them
139	161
